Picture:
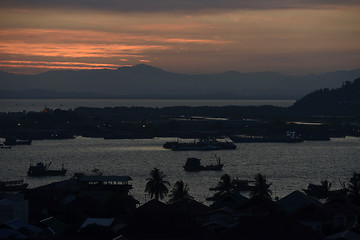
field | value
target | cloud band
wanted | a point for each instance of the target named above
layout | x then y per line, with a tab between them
172	5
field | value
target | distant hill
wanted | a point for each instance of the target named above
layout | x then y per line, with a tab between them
47	94
341	101
144	81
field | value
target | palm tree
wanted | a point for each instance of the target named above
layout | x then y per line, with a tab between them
261	188
156	185
320	191
326	188
354	186
224	187
179	192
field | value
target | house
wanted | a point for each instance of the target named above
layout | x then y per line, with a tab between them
21	229
268	227
99	187
343	213
305	209
98	228
297	200
233	200
96	182
52	226
94	196
344	235
157	220
197	211
220	219
106	222
312	216
14	206
260	206
9	233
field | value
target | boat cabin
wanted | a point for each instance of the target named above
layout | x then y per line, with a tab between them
193	164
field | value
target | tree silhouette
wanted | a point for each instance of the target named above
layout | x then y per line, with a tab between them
354	187
326	188
179	192
321	191
261	188
156	185
224	187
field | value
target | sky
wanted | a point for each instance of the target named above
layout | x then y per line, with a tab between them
294	37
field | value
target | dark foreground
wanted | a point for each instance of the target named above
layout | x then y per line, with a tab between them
100	207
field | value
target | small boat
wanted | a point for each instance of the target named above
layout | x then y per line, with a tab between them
2	146
40	169
193	165
288	138
13	186
13	141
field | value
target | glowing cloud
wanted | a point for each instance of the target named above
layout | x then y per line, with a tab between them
183	36
173	5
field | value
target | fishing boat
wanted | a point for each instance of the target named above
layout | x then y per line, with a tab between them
13	186
13	141
41	169
2	146
193	165
287	138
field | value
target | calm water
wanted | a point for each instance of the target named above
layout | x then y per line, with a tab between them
288	166
19	105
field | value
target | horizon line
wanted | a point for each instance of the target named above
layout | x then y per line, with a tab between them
114	68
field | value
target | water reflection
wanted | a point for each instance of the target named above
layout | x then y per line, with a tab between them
287	166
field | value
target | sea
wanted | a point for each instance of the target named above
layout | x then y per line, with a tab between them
287	166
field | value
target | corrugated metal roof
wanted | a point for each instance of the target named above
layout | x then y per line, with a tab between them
99	221
7	233
17	224
54	225
297	200
104	178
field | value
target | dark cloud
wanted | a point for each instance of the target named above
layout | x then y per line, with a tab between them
172	5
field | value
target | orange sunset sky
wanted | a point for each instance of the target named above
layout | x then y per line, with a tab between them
203	36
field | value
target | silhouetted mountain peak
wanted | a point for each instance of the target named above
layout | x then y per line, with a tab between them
145	80
232	72
145	67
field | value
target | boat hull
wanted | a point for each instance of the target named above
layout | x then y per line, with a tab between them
204	168
193	165
47	173
13	186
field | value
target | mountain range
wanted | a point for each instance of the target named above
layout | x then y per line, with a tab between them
144	81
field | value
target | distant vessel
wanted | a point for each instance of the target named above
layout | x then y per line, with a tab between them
200	145
40	169
13	186
4	146
13	141
290	137
193	165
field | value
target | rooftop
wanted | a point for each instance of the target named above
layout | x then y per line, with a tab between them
105	178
